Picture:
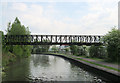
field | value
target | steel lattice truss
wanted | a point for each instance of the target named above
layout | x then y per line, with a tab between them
53	40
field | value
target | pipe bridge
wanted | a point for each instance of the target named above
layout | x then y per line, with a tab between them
53	40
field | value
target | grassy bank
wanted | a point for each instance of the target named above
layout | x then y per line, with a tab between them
98	59
7	58
101	65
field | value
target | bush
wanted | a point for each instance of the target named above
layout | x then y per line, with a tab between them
17	50
74	49
112	41
97	51
82	51
26	50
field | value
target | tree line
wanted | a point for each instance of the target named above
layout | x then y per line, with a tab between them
110	51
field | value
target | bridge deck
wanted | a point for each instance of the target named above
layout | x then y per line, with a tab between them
53	40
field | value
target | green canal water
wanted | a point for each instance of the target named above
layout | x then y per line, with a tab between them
47	68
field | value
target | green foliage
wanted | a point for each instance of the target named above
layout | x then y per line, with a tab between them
67	49
93	51
112	40
45	48
101	65
74	49
18	51
97	51
40	48
55	48
26	51
7	57
82	51
17	29
11	52
78	50
3	74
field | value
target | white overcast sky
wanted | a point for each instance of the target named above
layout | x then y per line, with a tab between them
75	17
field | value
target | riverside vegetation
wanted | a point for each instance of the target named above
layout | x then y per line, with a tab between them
10	53
109	52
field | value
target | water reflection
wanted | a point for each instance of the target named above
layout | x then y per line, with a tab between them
18	71
40	61
48	68
56	68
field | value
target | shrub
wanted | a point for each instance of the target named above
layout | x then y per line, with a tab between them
82	51
97	51
74	49
112	41
17	50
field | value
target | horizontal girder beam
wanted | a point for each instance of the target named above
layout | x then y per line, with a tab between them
53	40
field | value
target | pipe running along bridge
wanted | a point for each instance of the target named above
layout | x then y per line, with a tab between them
53	40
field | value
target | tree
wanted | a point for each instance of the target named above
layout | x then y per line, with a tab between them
82	51
18	51
97	51
41	48
17	29
54	48
67	49
112	41
74	49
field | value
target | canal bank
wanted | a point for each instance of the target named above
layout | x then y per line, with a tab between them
110	75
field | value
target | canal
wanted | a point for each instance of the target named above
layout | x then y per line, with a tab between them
47	68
